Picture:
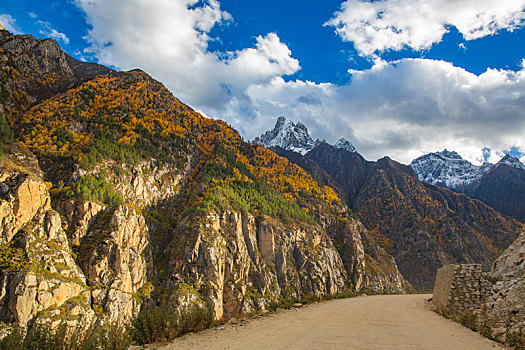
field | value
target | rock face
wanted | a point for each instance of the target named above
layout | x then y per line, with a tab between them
245	264
447	169
38	274
367	264
501	186
33	70
504	310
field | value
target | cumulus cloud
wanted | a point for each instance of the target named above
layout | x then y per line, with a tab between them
169	39
9	23
48	31
382	25
52	33
404	109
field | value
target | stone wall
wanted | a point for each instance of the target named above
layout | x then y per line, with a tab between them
460	287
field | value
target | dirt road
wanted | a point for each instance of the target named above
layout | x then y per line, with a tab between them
367	322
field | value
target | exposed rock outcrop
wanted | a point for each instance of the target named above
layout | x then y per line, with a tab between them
501	185
241	264
99	270
39	276
34	69
504	309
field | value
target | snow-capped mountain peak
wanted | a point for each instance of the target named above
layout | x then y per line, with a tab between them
512	161
447	169
449	154
288	135
345	144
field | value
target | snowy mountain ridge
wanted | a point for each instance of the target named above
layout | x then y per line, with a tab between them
294	137
288	135
345	144
449	169
512	162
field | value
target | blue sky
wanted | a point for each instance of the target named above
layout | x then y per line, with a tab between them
397	78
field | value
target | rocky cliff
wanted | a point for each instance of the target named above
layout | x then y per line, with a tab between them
39	277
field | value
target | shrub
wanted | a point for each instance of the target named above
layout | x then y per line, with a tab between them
13	341
12	258
516	340
41	337
468	319
6	135
94	188
106	146
258	198
164	324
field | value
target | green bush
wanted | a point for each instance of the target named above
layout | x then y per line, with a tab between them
516	340
105	146
163	324
94	188
6	135
42	337
14	341
468	319
12	258
257	198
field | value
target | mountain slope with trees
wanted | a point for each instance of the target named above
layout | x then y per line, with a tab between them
118	199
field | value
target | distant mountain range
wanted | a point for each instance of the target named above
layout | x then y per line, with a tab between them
294	137
500	185
421	225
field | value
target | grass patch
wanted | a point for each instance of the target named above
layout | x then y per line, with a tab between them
161	324
93	188
287	303
42	337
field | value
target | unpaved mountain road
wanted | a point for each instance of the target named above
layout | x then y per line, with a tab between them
367	322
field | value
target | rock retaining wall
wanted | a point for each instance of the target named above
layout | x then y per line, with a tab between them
459	288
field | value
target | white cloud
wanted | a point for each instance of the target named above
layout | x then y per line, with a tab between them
383	25
52	33
402	109
169	39
9	23
32	15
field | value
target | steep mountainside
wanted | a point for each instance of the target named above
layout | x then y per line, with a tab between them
33	70
114	194
422	226
501	186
